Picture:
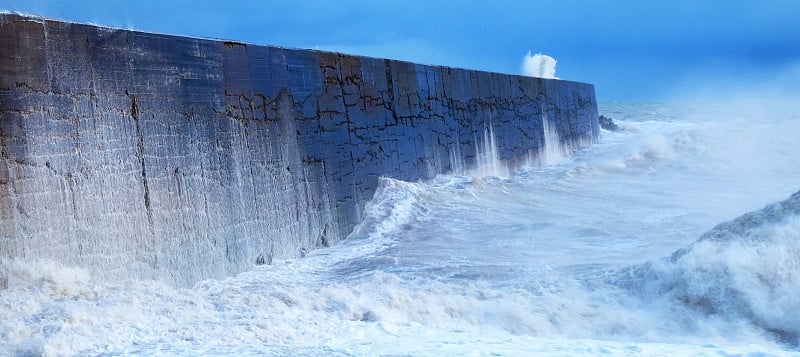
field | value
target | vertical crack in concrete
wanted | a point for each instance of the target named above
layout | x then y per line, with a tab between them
350	131
140	156
390	89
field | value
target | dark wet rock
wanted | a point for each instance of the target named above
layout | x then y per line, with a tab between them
262	260
607	123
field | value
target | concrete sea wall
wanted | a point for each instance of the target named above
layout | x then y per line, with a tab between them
153	156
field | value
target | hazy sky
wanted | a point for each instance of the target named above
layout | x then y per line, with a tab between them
628	49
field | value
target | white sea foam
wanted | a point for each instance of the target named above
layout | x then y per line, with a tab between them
747	269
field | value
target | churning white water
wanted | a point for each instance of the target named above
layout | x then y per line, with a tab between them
570	255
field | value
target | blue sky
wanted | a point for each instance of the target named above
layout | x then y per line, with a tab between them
630	50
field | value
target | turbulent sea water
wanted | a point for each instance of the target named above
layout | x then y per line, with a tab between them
590	252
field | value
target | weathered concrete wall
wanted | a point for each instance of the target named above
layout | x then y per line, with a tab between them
137	154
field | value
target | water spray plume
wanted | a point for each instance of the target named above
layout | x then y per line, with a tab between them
539	65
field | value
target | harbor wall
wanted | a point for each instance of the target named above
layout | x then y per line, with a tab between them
144	155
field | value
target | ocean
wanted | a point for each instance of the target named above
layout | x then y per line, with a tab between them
588	251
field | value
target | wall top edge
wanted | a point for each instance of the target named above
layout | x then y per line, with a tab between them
8	17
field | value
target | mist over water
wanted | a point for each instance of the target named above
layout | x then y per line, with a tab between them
571	254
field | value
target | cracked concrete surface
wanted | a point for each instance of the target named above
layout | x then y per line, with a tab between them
152	156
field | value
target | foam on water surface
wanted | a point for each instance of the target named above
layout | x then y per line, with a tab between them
561	257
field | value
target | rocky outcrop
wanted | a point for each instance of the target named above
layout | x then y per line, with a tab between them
147	155
607	123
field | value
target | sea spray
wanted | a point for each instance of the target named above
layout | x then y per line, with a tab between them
748	268
488	162
539	65
456	160
553	149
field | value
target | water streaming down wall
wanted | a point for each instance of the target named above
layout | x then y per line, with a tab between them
553	148
145	155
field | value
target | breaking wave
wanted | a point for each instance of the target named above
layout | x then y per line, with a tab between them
748	268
